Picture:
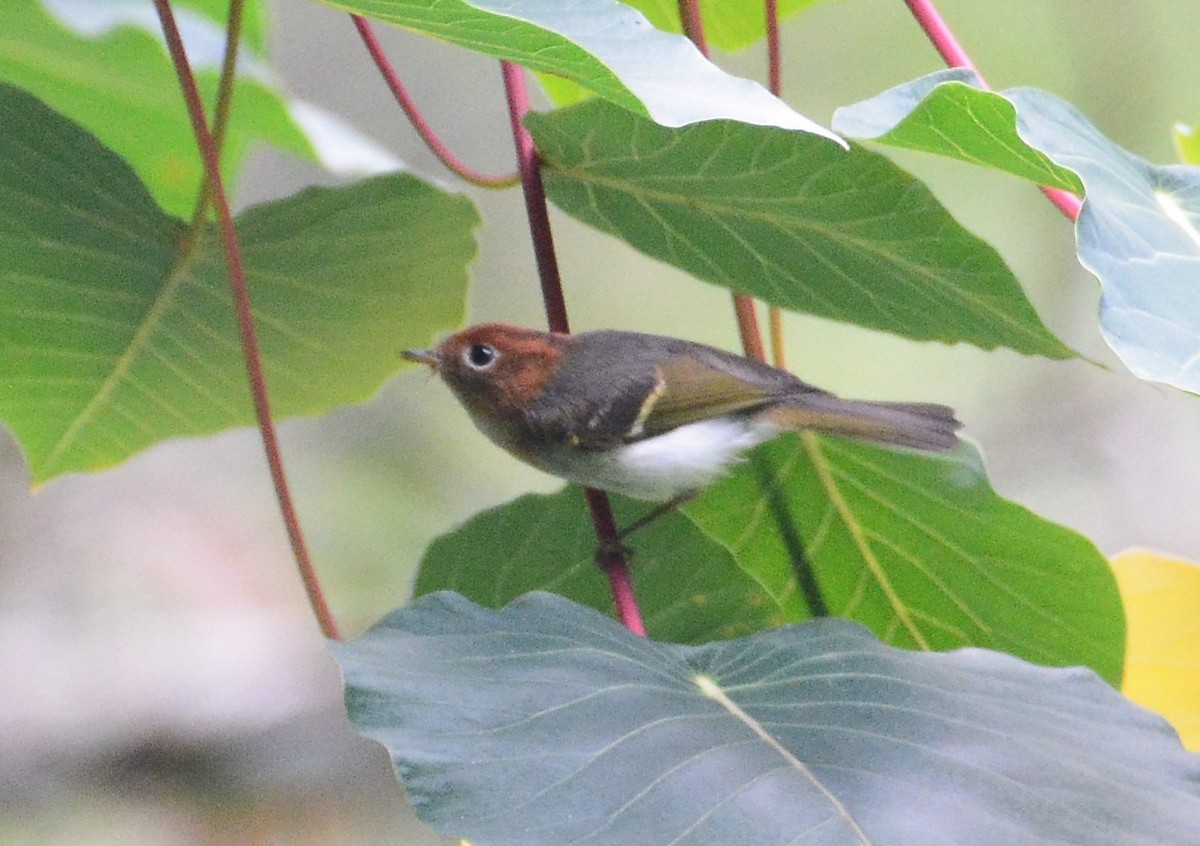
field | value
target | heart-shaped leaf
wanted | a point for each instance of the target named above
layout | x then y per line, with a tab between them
547	723
690	590
118	328
603	45
1138	230
788	218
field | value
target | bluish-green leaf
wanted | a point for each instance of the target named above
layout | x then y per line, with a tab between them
547	723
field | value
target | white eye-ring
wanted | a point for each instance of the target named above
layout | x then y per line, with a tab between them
480	356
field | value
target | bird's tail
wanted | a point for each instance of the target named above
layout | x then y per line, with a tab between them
924	426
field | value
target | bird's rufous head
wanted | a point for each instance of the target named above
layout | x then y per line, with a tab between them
495	369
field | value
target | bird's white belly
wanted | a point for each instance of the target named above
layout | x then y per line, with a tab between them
665	466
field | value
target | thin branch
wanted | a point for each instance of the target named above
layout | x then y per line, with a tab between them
774	57
775	329
530	167
615	564
943	39
693	24
956	57
775	85
432	141
241	297
743	306
747	321
224	106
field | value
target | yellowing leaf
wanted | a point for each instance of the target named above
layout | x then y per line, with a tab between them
1162	669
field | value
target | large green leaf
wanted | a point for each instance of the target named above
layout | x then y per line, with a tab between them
547	723
689	587
791	219
919	548
116	329
604	46
1138	231
113	76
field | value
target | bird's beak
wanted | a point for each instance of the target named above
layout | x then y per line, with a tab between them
422	357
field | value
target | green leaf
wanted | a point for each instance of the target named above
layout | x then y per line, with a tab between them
547	723
116	80
118	330
791	219
689	588
919	548
946	113
1138	231
728	24
604	46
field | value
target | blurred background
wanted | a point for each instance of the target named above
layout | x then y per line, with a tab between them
161	678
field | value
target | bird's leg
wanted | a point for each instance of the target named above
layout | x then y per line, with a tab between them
658	511
607	549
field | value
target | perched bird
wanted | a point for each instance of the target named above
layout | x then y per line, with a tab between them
651	417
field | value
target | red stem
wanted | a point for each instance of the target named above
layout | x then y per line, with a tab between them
693	24
956	57
224	103
1065	201
529	164
530	167
435	144
774	58
747	321
614	563
775	85
943	39
743	306
241	297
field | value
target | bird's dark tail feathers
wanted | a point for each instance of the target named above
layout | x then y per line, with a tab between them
924	426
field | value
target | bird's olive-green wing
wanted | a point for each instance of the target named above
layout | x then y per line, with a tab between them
690	390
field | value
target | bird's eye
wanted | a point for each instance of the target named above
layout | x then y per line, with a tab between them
480	356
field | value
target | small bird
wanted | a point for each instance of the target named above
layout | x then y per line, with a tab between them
651	417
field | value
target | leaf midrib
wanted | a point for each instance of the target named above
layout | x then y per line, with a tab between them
718	210
138	343
812	447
